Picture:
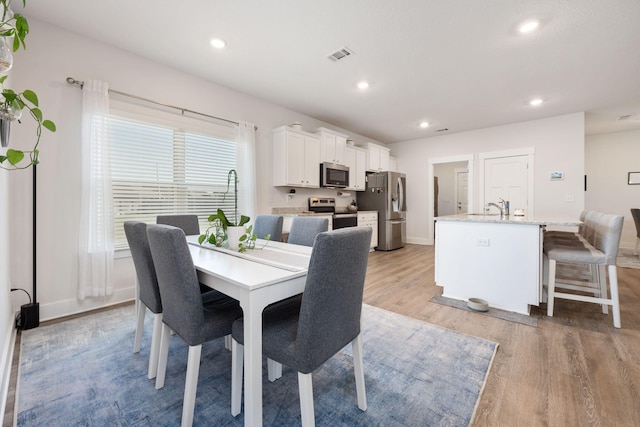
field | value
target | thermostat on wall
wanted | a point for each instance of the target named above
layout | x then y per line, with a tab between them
556	176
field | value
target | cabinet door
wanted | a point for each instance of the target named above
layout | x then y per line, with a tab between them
373	158
359	170
384	160
295	159
350	162
311	162
340	145
328	148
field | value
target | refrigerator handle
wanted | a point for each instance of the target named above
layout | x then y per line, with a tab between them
400	195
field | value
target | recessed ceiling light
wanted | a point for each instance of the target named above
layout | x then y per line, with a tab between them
535	102
528	27
218	43
363	85
424	125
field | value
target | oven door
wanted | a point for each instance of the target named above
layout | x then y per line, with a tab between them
345	220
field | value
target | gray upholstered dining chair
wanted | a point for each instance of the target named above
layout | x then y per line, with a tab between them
305	228
304	333
635	213
268	224
148	294
187	222
184	310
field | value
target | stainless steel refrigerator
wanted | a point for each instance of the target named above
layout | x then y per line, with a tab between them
386	193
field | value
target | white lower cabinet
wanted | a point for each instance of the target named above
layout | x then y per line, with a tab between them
369	219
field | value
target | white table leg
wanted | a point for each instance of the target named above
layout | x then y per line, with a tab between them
252	361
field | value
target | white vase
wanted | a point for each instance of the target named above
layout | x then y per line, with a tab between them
233	236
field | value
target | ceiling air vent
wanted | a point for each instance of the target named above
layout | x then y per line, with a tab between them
442	130
625	117
341	53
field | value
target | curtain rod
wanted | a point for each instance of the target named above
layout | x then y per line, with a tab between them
72	81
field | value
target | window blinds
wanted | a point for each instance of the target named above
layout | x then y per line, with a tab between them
162	166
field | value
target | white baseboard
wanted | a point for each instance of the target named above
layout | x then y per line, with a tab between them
418	241
74	306
6	359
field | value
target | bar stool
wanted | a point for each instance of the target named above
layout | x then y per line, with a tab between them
599	250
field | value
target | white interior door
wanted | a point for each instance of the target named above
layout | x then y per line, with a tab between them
462	191
507	178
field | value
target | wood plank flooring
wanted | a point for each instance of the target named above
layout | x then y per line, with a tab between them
574	369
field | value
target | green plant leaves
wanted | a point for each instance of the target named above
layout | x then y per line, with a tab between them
49	125
14	156
30	96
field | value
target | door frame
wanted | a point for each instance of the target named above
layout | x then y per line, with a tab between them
469	158
518	152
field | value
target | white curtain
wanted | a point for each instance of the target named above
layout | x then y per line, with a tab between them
96	216
247	169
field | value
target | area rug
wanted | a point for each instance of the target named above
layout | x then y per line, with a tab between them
492	312
628	258
82	372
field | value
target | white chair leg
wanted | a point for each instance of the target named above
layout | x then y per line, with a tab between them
237	356
615	302
162	356
551	287
141	309
156	337
602	279
305	385
358	369
191	385
274	370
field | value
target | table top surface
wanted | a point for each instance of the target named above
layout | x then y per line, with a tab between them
512	219
276	262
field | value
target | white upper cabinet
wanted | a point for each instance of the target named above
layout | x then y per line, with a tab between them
393	164
356	158
377	157
296	158
332	146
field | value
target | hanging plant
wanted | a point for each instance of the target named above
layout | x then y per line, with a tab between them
13	103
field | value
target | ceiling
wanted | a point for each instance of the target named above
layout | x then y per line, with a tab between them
458	64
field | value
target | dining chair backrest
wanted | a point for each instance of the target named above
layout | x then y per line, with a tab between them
635	213
332	300
136	233
178	282
268	224
305	228
187	222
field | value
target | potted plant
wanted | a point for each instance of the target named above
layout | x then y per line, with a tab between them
221	229
12	103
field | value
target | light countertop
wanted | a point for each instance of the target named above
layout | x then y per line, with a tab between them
511	219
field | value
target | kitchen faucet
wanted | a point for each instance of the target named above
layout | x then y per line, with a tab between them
503	206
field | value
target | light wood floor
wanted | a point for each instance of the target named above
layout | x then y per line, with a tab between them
574	369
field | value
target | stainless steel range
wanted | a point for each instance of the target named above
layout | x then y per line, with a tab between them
328	205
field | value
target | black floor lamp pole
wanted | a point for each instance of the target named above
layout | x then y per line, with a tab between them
35	299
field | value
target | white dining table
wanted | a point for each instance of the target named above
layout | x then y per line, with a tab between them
256	279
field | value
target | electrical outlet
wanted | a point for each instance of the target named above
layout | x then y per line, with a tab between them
482	242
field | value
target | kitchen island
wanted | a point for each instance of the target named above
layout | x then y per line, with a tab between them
495	258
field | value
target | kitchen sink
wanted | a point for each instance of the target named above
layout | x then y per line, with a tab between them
484	214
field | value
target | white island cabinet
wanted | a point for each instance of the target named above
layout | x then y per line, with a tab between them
493	258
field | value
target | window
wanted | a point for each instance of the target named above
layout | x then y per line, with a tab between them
159	167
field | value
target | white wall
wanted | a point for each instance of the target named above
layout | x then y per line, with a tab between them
559	146
54	54
609	157
6	313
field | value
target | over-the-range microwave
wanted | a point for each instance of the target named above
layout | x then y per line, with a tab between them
333	175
